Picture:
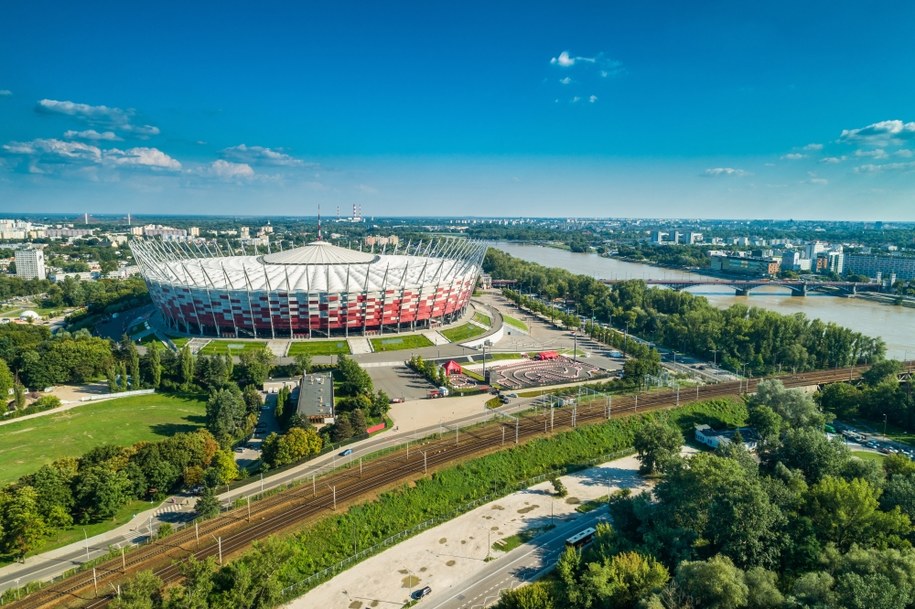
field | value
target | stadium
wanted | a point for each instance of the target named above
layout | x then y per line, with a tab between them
317	290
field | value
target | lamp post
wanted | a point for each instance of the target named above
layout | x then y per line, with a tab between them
884	425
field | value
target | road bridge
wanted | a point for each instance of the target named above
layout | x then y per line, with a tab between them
742	287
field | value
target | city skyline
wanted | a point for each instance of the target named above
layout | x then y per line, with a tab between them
655	110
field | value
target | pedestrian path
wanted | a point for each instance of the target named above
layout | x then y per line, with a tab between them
359	345
278	347
197	344
436	338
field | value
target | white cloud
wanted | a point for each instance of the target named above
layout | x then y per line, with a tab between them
880	134
106	116
813	178
5	92
259	155
226	169
592	99
715	172
54	150
833	160
576	99
876	153
813	147
92	134
566	81
606	66
874	168
152	158
904	153
793	156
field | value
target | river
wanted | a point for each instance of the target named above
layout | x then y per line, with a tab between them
895	325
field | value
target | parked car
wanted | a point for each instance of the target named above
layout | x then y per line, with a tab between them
418	594
397	400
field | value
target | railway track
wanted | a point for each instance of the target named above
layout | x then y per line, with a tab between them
301	504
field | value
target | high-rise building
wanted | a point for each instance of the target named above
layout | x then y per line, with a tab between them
30	264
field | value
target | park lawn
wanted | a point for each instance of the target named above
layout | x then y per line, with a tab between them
320	347
464	332
27	445
868	456
222	347
399	343
480	318
514	322
180	342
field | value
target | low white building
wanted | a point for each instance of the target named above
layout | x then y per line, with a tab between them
704	434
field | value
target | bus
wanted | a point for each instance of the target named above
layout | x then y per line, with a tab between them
582	538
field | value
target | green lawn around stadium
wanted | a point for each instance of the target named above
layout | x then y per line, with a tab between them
464	332
399	343
221	347
319	347
27	445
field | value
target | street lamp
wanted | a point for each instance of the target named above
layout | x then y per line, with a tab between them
884	425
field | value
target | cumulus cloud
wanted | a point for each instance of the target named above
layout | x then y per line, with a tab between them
880	134
592	99
92	134
814	179
793	156
106	116
874	168
152	158
260	155
606	66
904	153
46	152
876	153
229	170
813	147
833	160
566	81
715	172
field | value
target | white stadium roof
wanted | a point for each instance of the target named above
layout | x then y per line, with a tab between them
316	267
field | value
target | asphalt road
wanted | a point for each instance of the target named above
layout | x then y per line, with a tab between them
525	563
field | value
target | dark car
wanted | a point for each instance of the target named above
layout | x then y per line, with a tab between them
418	594
346	452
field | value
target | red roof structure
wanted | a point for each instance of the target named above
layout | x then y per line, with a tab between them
452	367
546	355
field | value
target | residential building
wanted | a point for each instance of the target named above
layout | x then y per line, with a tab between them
745	265
871	265
30	264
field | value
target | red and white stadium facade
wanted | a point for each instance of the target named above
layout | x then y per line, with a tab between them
316	290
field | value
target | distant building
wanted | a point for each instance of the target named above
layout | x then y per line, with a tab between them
694	238
745	265
657	236
30	264
871	265
316	398
68	233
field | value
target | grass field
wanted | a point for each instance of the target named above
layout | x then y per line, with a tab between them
868	456
464	332
399	343
180	342
514	322
321	347
221	347
27	445
480	318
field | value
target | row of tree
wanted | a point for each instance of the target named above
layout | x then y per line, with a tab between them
804	524
93	487
739	337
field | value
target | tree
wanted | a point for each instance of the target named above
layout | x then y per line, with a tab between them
533	596
303	363
793	405
846	512
762	588
622	580
810	451
6	380
223	468
713	584
294	445
353	379
882	371
18	396
154	363
207	504
767	423
23	525
657	445
194	592
142	592
225	414
255	578
559	489
255	367
99	493
186	367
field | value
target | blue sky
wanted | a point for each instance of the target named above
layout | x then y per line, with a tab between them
775	109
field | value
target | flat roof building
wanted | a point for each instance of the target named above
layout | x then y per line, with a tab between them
30	264
316	398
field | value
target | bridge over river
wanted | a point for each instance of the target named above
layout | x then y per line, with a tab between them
742	287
